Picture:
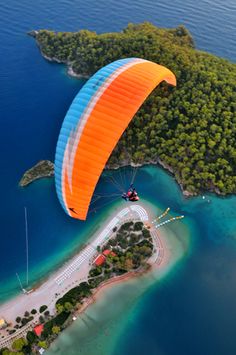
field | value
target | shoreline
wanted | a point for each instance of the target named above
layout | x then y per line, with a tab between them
69	258
42	169
104	286
127	163
69	70
50	290
157	271
66	258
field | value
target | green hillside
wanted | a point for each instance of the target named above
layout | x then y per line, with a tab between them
191	129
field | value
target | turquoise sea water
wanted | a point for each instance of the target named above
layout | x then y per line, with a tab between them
193	305
191	312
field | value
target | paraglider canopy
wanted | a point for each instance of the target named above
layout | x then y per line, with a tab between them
94	123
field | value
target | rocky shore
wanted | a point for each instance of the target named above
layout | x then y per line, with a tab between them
44	168
70	71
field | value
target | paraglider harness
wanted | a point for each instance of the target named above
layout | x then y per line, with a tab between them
131	195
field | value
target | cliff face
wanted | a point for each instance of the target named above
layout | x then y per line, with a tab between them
44	168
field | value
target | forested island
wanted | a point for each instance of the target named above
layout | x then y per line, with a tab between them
190	130
44	168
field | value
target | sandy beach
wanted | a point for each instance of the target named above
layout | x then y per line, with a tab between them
159	261
76	270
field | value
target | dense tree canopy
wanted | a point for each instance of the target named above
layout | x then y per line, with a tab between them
191	129
18	344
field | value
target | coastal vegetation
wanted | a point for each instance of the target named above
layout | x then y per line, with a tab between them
128	250
42	308
190	130
131	246
44	168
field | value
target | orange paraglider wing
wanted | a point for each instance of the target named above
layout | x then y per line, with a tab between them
94	123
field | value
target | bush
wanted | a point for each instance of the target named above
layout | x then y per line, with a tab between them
145	243
59	320
138	226
136	259
41	319
33	311
146	251
120	236
26	314
112	242
43	308
95	271
123	243
11	331
47	330
60	308
76	294
68	306
43	344
107	272
18	319
24	321
31	337
18	344
126	226
56	329
146	233
95	282
134	238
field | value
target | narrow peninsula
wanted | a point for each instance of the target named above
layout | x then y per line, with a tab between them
188	130
44	168
131	243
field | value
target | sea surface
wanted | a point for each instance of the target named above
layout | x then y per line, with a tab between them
193	310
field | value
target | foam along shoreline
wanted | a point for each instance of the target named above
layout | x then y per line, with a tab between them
162	260
77	268
124	292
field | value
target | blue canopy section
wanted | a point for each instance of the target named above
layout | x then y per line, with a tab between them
74	114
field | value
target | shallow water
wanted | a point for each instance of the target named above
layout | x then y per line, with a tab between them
34	96
196	305
99	328
192	306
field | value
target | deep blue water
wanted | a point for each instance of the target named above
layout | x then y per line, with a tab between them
34	96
